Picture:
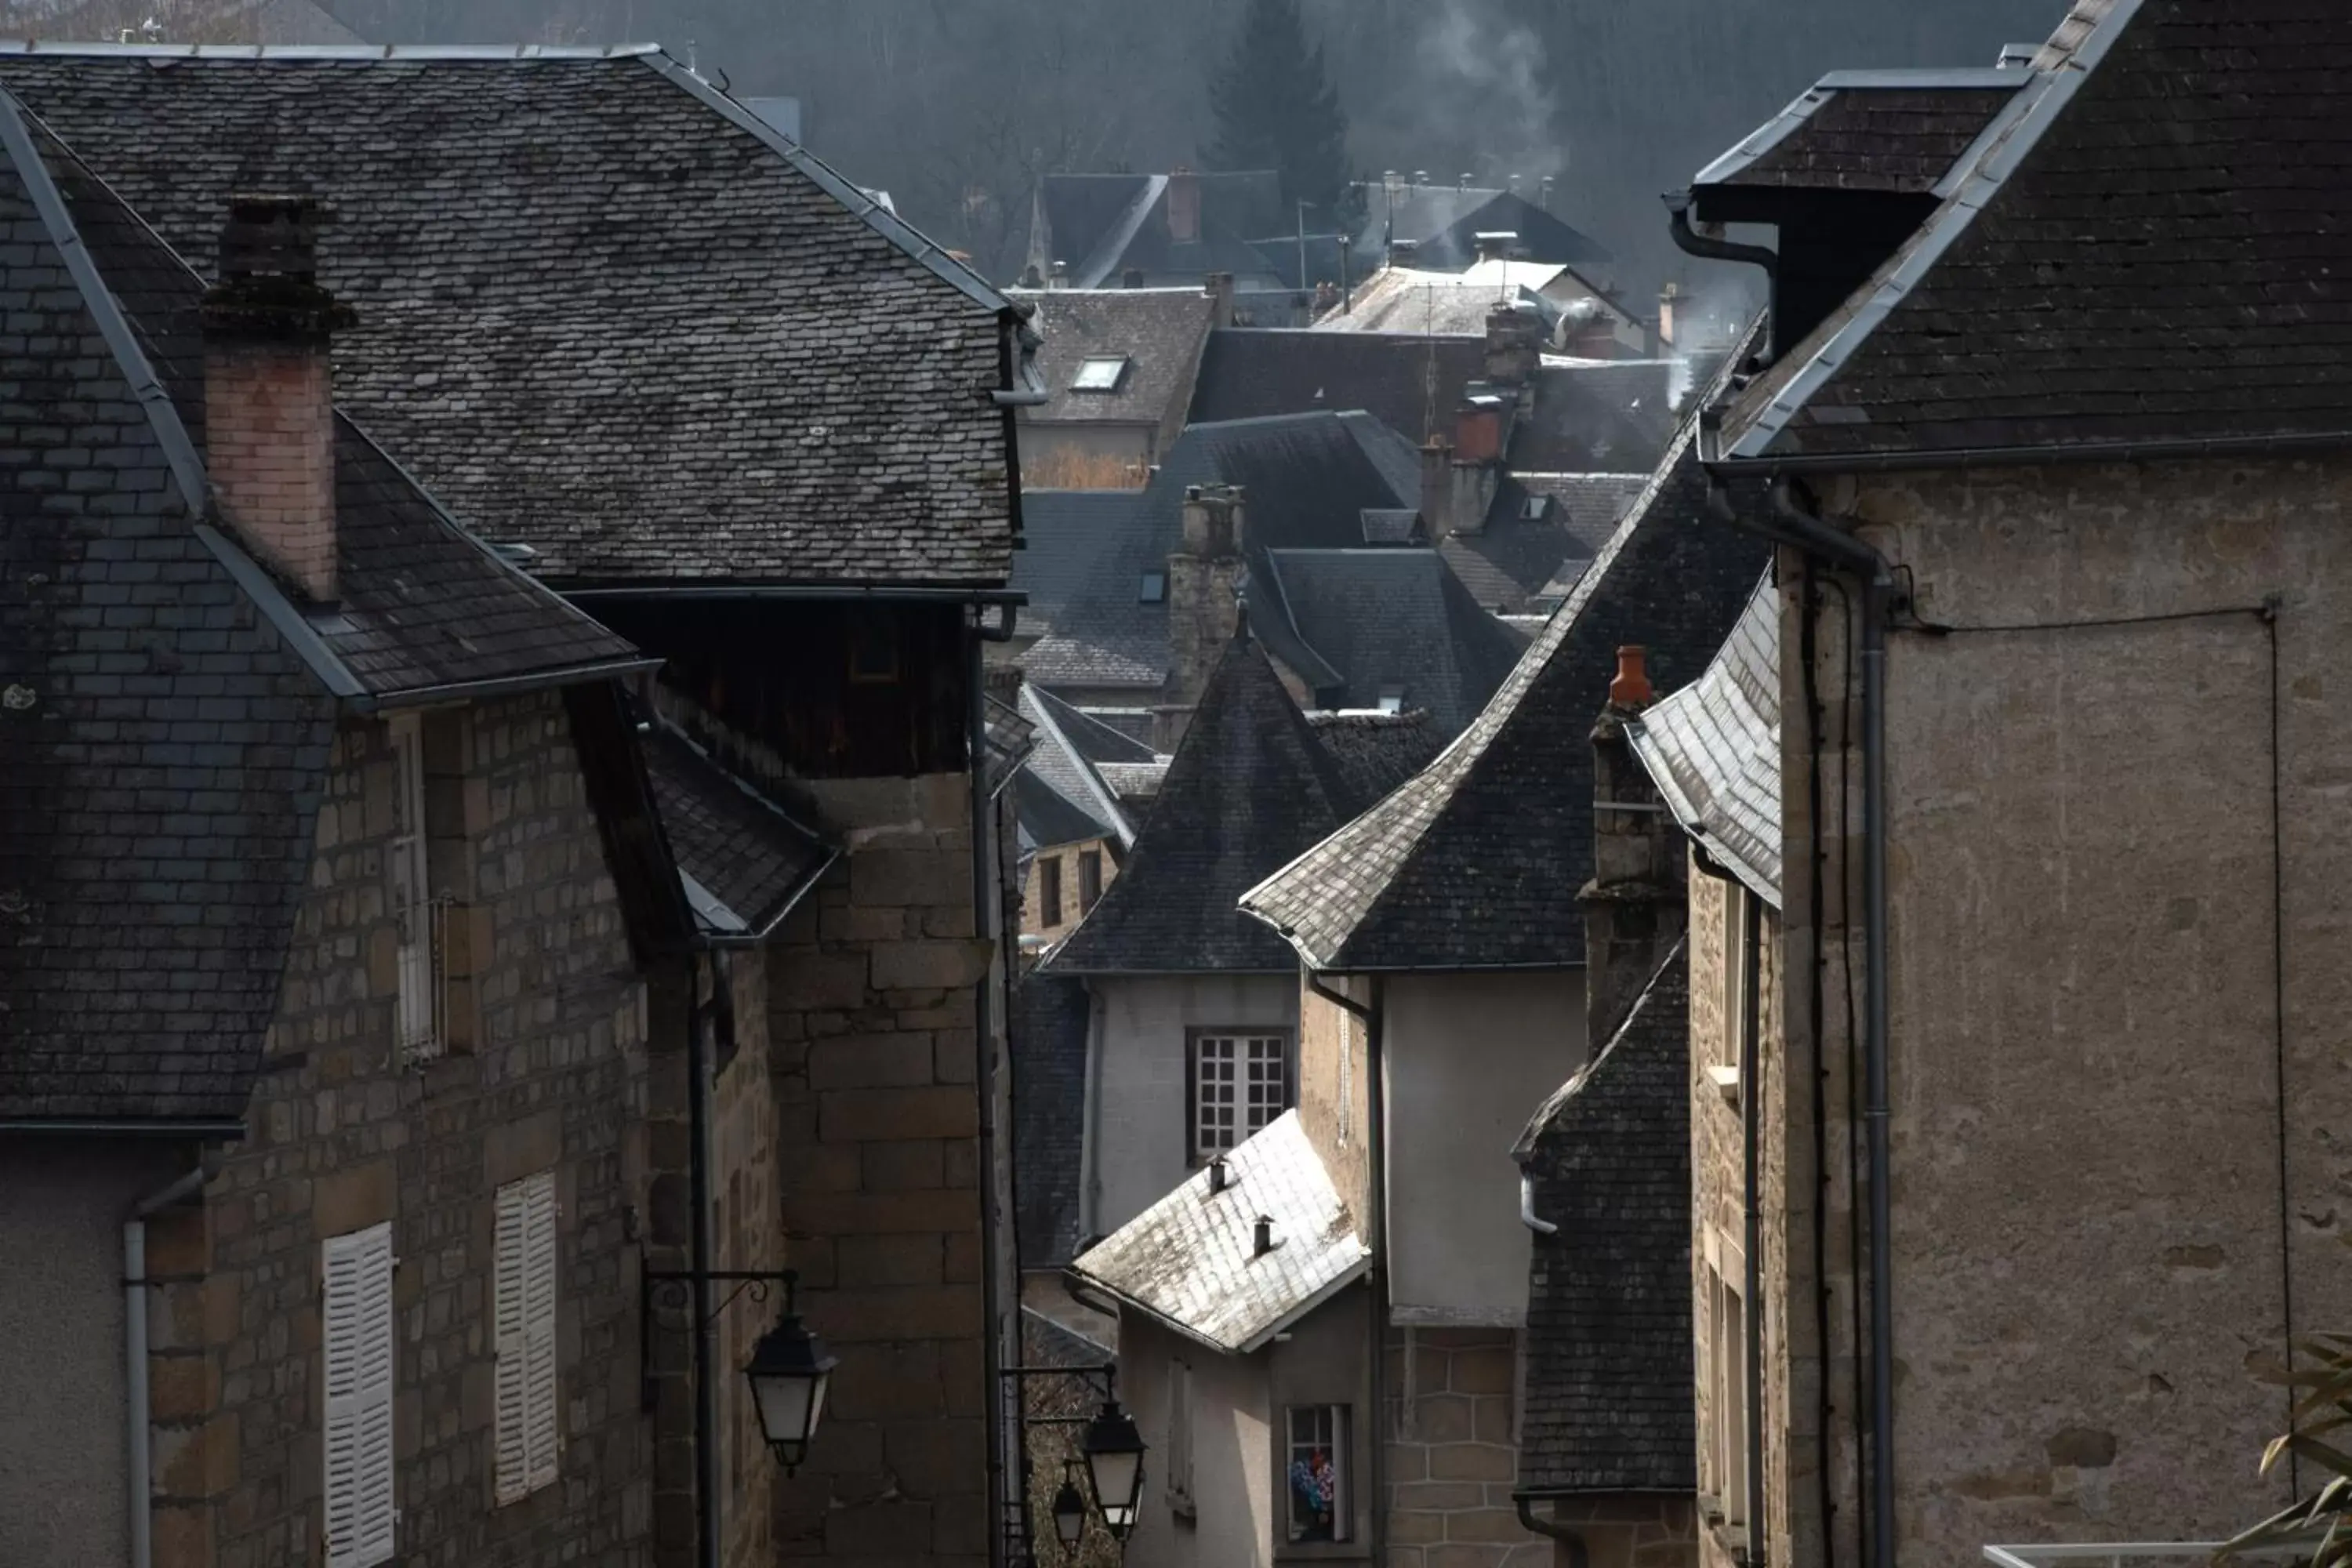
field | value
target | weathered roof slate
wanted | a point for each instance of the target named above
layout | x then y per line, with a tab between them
1410	383
1608	1406
1393	623
744	859
1189	1260
1713	749
1476	862
1249	787
604	310
1160	333
2150	254
1888	136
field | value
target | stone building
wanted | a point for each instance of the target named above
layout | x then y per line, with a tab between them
1119	366
682	372
2074	466
1443	953
325	1052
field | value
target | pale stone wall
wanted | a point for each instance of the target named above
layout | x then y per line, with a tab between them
1032	893
872	991
1453	1451
1630	1530
2088	1257
1334	1089
546	1072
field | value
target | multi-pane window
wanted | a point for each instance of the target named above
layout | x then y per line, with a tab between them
355	1331
522	1290
1049	889
418	914
1240	1081
1090	879
1314	1472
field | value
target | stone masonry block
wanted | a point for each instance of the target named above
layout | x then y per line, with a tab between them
870	1260
861	1115
354	1199
936	1456
182	1388
1445	1418
1492	1525
1473	1462
897	1312
817	980
879	1530
877	1381
847	1214
183	1536
870	1061
1486	1370
903	877
943	964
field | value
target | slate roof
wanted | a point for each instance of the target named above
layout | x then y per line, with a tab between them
1377	752
744	860
2149	254
1049	1021
1308	479
604	310
1713	749
1249	787
1391	621
1476	862
1251	372
1607	1404
1517	562
1444	221
1597	417
1877	130
1407	302
1187	1261
1067	536
1160	330
1103	225
165	709
1065	761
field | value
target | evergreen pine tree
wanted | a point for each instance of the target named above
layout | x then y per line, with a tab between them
1276	108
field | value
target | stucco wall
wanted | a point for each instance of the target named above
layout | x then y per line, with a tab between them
1468	1057
1334	1089
1140	1145
62	1205
2088	1255
1232	1525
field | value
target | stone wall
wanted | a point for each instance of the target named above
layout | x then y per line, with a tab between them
2092	1253
1630	1530
549	1073
1452	1452
1718	1206
1033	912
872	991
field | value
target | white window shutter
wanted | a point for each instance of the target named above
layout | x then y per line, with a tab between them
524	1289
357	1330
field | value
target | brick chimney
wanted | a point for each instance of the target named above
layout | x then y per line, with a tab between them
1515	340
1669	297
1436	487
1183	207
1204	575
1635	907
269	409
1478	429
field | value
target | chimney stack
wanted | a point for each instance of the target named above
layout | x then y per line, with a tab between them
1669	297
269	403
1436	488
1061	275
1219	285
1204	578
1635	907
1402	252
1132	277
1183	207
1515	339
1261	1240
1544	189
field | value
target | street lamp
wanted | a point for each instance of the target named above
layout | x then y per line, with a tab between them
788	1372
1069	1509
1114	1451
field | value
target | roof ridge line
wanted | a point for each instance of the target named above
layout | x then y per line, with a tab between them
106	312
2037	107
358	54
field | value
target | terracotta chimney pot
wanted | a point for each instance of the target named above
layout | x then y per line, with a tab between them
1631	689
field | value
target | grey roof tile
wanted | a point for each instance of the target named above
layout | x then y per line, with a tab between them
1190	1259
2150	255
1476	862
748	858
603	311
1392	623
1713	749
1609	1401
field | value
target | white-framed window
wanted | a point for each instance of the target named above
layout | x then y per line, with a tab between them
419	1017
355	1331
523	1313
1099	372
1240	1082
1726	1439
1179	1433
1314	1472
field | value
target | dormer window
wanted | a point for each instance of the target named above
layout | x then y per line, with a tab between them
1099	372
1154	590
1391	699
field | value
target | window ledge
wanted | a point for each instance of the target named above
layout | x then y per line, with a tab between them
1726	1083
